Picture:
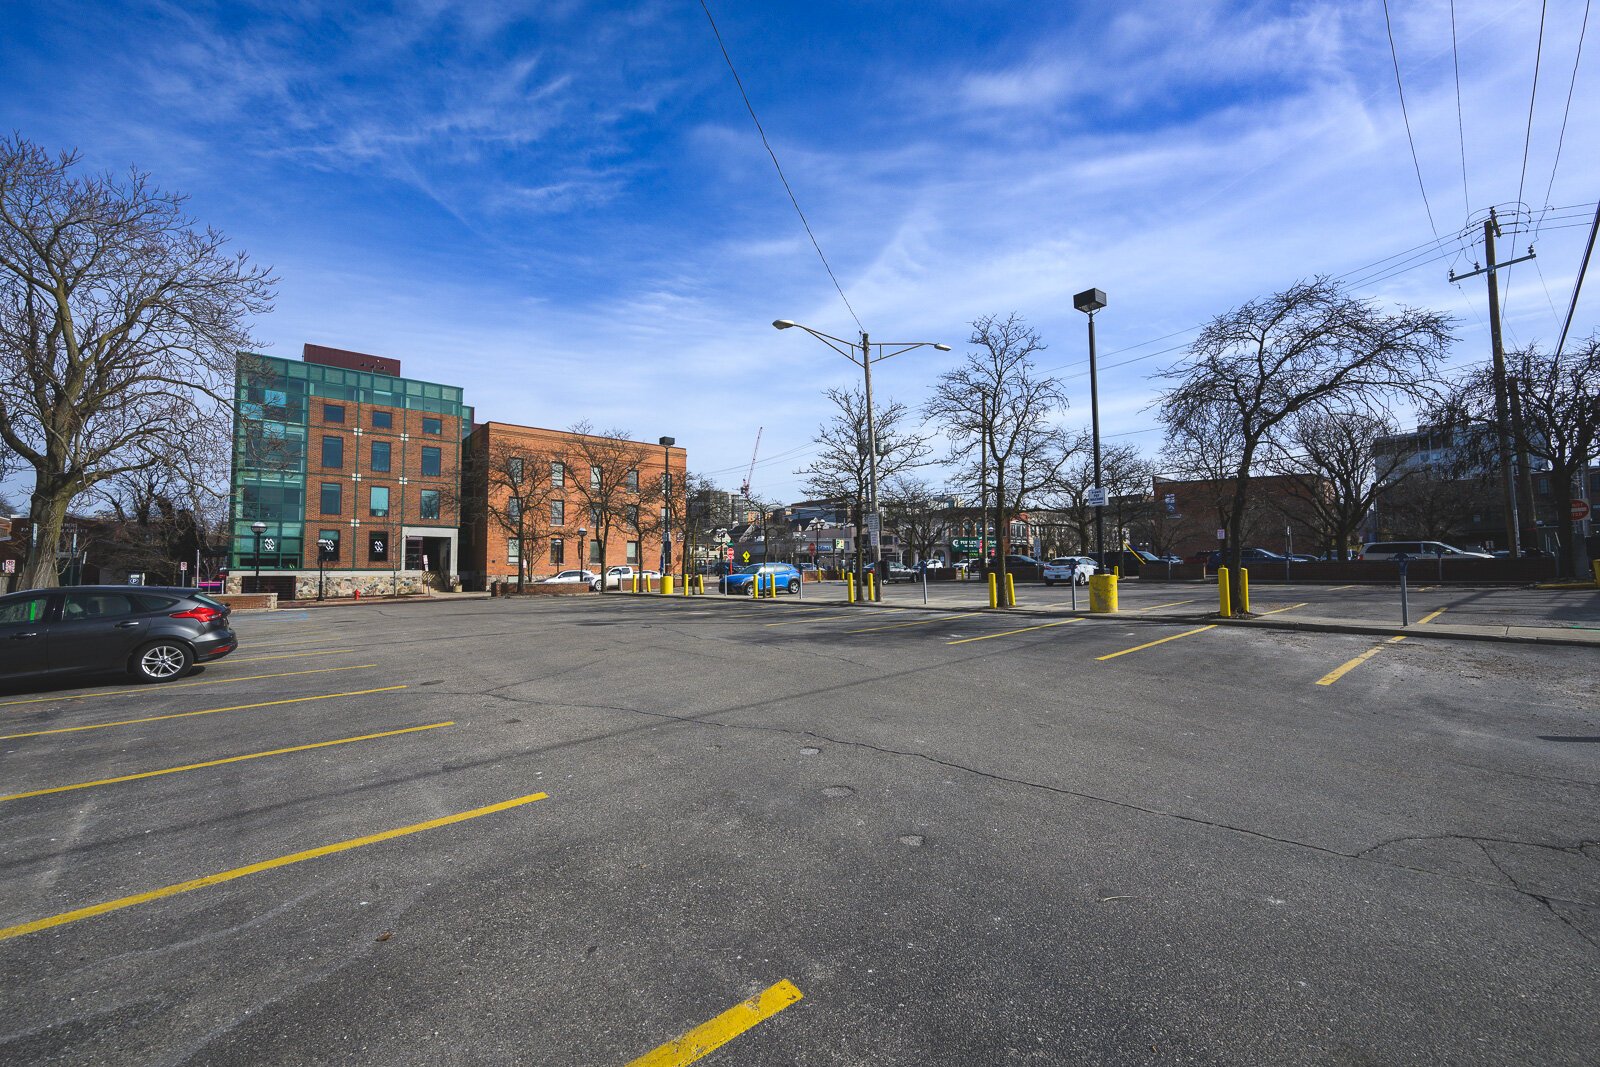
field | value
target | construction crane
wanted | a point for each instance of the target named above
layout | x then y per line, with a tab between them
744	487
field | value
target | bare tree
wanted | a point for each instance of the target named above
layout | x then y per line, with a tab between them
1333	471
916	513
518	490
1560	401
995	410
120	328
606	477
1311	346
841	470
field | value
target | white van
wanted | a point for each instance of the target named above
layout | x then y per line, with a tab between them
1418	550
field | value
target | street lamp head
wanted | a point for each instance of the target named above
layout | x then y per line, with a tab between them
1089	301
783	324
259	527
941	348
668	442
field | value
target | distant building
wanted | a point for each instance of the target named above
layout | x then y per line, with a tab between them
1189	513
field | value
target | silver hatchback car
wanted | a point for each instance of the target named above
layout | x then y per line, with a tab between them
152	632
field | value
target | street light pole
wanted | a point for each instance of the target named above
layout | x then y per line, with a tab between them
865	360
666	485
258	528
1089	301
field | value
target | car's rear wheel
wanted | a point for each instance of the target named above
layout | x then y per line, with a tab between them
1049	581
161	661
794	586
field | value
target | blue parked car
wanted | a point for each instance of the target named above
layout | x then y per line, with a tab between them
786	575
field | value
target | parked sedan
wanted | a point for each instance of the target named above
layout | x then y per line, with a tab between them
589	578
899	572
738	583
154	633
1069	569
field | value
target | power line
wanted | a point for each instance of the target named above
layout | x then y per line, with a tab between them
768	145
1577	283
1409	139
1527	140
1571	85
1461	129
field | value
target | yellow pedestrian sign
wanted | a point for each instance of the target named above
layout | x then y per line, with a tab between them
747	556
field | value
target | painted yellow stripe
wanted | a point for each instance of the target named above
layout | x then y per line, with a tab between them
814	618
290	655
1008	633
6	933
1153	644
1154	607
712	1035
1350	665
1336	588
1291	607
918	622
168	687
206	711
1431	616
218	762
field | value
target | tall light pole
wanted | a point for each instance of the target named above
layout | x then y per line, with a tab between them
1089	301
666	487
865	359
258	528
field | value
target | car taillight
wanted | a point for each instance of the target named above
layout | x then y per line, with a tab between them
201	614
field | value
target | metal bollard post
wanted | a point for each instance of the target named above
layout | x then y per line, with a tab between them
1073	581
849	589
1224	594
1405	599
924	583
1244	590
872	589
1011	590
994	591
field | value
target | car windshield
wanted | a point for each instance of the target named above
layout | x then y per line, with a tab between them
754	568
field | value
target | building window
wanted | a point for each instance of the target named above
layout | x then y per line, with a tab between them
630	515
633	481
558	513
633	552
558	474
595	478
514	469
428	501
380	455
594	552
513	511
558	551
377	546
328	546
333	413
431	462
332	451
332	498
513	550
378	501
433	426
382	420
594	518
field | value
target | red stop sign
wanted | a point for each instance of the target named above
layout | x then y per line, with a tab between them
1580	510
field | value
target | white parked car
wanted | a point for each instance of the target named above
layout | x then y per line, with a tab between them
589	578
618	577
1069	569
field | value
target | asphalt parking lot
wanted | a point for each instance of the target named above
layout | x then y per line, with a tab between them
626	829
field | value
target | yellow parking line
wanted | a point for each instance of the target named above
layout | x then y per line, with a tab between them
918	622
1350	665
1154	607
206	711
712	1035
291	655
1008	633
6	933
218	762
815	618
1153	644
1431	616
1336	588
185	685
1291	607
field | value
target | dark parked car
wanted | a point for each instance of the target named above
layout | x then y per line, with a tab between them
899	572
1247	556
154	633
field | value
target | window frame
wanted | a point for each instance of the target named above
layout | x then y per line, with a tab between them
336	440
322	498
372	503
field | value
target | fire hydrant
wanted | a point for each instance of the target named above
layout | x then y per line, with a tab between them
358	594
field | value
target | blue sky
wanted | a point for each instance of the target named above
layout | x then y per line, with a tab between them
564	207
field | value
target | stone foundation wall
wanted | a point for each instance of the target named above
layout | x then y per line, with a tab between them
343	584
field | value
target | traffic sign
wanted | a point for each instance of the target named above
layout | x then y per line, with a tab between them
1222	535
1580	510
1095	497
727	554
183	565
746	556
11	566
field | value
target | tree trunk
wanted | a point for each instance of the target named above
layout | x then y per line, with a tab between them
1235	527
1562	479
1002	536
47	514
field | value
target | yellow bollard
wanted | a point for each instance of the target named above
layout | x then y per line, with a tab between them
994	592
1596	566
1103	594
872	590
1011	590
1224	595
1244	590
849	589
1116	572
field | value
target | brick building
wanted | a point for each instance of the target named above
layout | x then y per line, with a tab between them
1187	514
339	447
580	500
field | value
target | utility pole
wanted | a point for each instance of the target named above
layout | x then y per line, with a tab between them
983	480
1502	412
1527	510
